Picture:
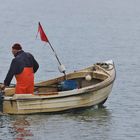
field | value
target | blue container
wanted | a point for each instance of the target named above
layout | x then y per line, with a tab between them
68	85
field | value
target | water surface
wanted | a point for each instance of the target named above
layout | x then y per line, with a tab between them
82	32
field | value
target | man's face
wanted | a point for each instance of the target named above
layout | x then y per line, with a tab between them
14	51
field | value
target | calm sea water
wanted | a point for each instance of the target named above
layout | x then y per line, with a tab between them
82	32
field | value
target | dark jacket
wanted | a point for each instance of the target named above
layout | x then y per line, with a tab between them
21	60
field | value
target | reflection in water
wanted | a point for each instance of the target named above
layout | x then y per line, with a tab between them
75	125
20	128
91	114
92	121
1	121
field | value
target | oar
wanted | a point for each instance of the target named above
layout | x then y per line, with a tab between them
49	86
11	85
37	86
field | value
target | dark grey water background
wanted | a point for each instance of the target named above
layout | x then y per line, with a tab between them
82	32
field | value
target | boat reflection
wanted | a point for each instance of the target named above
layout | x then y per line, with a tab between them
92	114
21	128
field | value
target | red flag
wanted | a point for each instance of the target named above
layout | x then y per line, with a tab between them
42	33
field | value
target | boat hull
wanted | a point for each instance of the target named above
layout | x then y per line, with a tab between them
47	105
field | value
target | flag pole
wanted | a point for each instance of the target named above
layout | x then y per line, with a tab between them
61	68
54	53
45	38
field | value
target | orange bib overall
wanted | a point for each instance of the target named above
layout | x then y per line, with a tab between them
25	81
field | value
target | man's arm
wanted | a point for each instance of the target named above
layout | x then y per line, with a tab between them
35	65
10	73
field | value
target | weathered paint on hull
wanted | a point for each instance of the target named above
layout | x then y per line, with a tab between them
57	104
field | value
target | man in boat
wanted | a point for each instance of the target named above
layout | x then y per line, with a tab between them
23	67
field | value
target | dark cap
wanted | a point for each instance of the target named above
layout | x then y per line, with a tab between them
17	46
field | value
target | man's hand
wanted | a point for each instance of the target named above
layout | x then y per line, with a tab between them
2	87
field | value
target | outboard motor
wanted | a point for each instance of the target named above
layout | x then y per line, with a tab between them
1	100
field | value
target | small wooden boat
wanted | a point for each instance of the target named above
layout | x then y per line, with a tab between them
85	88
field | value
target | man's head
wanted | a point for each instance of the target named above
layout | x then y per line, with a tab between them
16	48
